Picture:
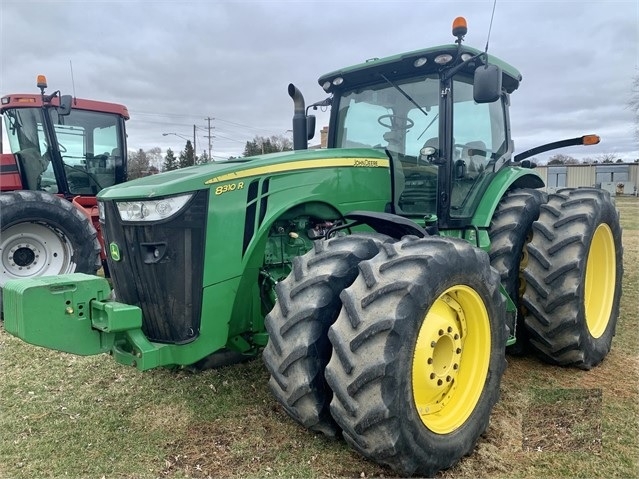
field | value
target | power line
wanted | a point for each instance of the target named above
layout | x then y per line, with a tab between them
173	115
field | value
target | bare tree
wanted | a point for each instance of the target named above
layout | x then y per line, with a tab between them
561	159
261	145
606	158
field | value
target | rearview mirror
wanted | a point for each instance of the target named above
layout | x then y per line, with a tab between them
310	127
65	105
487	84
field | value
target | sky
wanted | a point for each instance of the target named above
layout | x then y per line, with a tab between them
175	64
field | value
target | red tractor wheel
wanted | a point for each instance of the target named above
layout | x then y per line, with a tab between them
44	235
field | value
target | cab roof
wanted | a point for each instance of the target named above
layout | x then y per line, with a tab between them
403	65
31	100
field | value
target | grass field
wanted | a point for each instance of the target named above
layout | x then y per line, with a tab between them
62	415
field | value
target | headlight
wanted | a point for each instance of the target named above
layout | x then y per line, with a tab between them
152	210
443	58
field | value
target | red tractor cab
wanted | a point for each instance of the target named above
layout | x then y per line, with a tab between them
58	153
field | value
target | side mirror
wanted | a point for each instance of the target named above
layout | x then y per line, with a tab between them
65	105
487	84
310	127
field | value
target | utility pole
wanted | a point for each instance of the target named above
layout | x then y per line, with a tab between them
194	150
209	136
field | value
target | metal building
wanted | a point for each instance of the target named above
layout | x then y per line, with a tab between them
618	178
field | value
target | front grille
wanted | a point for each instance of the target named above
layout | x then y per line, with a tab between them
161	269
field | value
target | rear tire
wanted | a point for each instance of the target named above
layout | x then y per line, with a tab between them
418	354
510	231
574	278
308	303
44	235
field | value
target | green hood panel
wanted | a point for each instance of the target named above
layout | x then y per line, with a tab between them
198	177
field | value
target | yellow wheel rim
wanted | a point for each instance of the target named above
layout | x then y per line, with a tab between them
451	359
601	274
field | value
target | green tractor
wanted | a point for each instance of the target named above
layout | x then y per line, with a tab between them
382	278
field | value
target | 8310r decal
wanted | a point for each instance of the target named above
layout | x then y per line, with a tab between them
220	190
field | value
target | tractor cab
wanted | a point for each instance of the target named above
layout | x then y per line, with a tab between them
440	114
62	145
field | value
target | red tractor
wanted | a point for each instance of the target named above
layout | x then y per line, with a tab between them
63	151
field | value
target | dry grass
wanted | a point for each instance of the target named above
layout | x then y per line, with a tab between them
89	417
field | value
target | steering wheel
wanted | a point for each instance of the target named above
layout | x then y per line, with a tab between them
393	118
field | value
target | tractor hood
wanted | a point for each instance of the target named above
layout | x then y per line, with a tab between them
212	174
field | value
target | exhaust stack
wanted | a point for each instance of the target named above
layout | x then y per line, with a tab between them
300	136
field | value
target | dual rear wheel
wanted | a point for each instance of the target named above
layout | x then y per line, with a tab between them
574	277
412	362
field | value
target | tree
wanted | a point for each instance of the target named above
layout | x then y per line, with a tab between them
170	161
606	158
261	145
138	164
561	159
144	163
187	156
203	159
155	159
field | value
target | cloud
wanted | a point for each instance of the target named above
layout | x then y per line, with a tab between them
174	64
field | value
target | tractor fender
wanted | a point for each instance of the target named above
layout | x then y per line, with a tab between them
505	179
386	223
254	253
247	314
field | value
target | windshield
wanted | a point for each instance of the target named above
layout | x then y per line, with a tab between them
403	125
401	118
89	143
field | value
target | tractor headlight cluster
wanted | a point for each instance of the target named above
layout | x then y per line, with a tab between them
101	211
152	210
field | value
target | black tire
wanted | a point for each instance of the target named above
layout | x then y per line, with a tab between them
510	231
399	345
44	235
308	303
574	277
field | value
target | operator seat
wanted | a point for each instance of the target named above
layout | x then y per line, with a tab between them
474	154
115	155
33	165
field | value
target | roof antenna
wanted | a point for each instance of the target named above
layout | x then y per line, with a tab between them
490	28
75	101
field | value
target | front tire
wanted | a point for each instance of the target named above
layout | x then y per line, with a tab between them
44	235
418	354
308	303
574	278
